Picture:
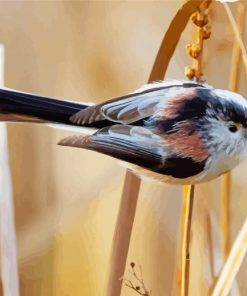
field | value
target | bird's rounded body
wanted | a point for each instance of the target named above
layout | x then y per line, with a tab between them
173	131
215	167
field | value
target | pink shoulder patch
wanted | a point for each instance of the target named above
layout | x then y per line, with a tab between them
188	144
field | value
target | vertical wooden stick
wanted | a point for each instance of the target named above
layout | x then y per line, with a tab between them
226	179
187	207
9	263
224	212
122	234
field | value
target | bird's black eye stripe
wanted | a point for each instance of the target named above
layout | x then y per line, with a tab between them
233	128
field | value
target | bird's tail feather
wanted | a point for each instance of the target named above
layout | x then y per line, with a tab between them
18	106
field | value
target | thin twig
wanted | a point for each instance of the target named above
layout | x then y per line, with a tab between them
140	289
129	284
142	281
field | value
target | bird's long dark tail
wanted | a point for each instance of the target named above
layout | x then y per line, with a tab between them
18	106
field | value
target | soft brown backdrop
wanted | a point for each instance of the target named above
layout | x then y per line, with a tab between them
66	199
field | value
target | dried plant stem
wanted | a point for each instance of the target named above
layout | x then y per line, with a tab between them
233	86
122	234
198	60
172	38
233	263
188	198
224	212
200	41
140	286
237	34
196	52
200	19
187	207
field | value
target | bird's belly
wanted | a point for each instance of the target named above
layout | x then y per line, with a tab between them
151	176
220	165
213	169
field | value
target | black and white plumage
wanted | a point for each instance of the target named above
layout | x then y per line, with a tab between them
178	132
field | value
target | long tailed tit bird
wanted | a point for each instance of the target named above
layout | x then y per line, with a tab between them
177	132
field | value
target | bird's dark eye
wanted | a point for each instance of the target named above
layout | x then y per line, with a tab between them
233	128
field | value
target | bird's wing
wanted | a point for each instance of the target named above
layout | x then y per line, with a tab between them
138	146
134	144
136	106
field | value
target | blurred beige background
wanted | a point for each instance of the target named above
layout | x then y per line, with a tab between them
66	199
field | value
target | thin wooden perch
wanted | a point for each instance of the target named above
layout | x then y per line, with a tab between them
224	212
187	207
